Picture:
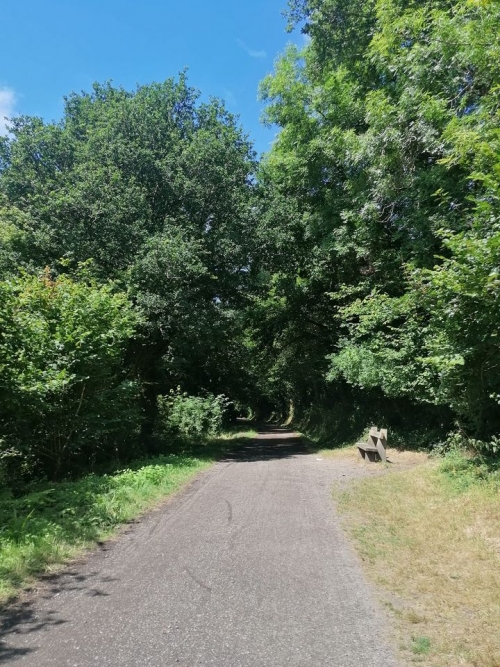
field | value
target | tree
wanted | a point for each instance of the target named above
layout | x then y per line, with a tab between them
156	188
389	149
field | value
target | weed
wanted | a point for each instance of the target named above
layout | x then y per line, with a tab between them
415	618
420	645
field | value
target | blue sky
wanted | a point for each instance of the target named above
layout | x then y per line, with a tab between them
53	47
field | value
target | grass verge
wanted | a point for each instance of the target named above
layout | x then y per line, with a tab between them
430	537
45	529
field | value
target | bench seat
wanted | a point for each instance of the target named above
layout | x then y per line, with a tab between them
374	449
365	447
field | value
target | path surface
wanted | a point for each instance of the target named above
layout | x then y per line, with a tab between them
247	568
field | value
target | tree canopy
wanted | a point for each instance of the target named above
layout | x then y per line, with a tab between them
149	263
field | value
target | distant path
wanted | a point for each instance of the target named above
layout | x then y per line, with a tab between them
247	568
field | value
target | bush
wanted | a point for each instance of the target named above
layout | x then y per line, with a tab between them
64	393
189	417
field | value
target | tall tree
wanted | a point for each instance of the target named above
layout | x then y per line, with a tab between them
155	187
389	148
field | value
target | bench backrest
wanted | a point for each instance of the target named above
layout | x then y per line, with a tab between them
378	439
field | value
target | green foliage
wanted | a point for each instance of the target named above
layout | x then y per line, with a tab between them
387	172
122	167
12	238
465	464
155	187
461	296
191	417
357	266
437	343
64	392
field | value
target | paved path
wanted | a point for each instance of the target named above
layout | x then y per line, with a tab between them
247	568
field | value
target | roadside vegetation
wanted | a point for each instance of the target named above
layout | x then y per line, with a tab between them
380	216
428	531
55	522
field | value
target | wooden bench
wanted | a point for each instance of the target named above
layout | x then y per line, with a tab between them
374	449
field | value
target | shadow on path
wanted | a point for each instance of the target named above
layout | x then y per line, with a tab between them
24	617
272	442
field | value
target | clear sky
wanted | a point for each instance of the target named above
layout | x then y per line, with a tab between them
49	48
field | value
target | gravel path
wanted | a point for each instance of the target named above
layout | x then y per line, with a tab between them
248	567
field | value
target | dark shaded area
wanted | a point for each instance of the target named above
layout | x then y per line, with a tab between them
25	617
272	442
345	418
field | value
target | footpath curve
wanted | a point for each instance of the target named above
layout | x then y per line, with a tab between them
248	567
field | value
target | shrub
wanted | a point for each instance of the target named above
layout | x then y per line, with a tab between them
188	417
63	390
